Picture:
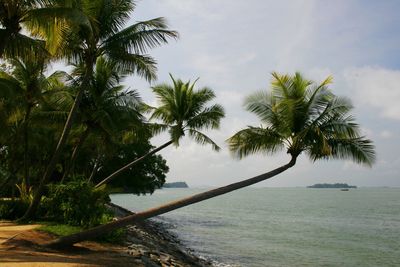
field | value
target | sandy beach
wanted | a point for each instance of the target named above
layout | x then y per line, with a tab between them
146	244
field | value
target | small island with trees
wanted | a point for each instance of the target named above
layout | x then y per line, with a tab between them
176	185
336	185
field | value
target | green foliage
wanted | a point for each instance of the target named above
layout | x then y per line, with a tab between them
76	203
301	116
142	178
25	192
60	229
115	236
184	110
11	209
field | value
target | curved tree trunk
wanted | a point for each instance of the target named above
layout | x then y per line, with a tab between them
51	166
103	229
127	166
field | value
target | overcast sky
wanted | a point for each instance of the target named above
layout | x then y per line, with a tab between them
233	46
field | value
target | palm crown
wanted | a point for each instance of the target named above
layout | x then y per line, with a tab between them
302	116
183	109
102	33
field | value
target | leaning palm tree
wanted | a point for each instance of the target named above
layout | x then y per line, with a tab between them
104	35
297	116
182	110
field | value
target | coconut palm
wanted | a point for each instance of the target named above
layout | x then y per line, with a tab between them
24	85
104	35
13	42
107	108
297	116
182	110
43	20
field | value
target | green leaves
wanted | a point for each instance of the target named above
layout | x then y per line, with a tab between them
253	140
184	109
302	117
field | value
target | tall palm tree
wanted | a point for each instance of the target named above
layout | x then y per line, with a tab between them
298	116
24	85
182	110
105	36
107	108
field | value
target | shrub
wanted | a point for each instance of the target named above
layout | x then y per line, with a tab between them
76	203
11	209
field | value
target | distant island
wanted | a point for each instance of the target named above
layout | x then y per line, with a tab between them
337	185
176	185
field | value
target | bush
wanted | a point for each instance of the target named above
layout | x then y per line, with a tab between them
76	203
11	209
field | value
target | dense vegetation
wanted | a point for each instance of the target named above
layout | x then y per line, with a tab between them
64	131
65	135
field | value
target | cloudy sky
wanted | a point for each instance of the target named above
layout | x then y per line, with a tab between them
233	46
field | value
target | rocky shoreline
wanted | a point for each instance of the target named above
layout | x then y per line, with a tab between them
153	246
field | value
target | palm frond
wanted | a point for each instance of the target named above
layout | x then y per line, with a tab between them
255	140
209	118
203	139
142	36
142	65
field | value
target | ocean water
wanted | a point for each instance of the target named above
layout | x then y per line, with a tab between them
286	226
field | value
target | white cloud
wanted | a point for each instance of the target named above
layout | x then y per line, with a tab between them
377	87
233	46
385	134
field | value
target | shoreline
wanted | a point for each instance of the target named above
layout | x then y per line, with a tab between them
151	242
145	244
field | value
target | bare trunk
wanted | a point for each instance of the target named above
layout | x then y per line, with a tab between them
75	154
103	229
127	166
3	46
94	170
26	144
51	166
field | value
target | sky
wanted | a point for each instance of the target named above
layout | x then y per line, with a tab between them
233	46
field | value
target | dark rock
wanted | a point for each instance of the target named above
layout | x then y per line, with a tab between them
150	242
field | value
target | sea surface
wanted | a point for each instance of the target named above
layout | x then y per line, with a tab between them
285	226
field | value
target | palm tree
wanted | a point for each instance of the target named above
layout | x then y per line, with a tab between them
24	84
44	21
182	110
105	36
107	108
13	43
298	116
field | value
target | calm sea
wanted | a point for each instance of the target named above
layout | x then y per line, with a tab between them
286	226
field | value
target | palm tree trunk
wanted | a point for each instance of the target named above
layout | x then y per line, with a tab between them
127	166
103	229
94	170
3	46
78	146
26	144
51	166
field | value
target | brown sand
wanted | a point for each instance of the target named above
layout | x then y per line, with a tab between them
17	248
